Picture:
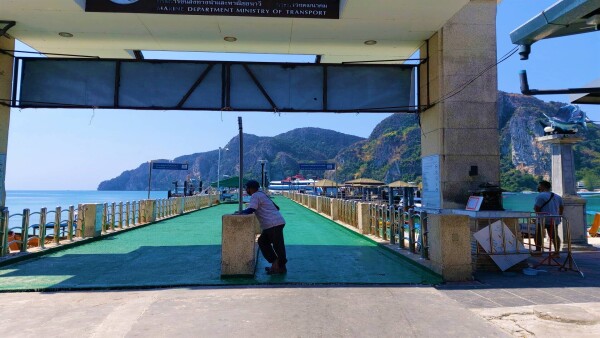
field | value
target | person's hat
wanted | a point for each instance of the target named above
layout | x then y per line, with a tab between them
252	184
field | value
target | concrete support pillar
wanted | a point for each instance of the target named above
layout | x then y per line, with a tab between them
238	245
91	223
563	163
334	209
148	211
364	221
564	184
460	131
575	213
6	72
450	246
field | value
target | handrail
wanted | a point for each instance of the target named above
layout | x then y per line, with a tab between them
407	229
530	234
67	224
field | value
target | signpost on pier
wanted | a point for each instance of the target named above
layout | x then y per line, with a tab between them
164	166
319	166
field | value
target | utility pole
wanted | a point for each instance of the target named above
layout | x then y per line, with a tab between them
241	183
262	173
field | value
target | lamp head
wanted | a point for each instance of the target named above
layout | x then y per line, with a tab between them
524	51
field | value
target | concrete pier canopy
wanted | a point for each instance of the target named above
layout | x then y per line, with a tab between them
398	28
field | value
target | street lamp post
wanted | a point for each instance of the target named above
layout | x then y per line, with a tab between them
219	172
262	172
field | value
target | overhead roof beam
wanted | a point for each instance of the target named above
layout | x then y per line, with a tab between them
566	17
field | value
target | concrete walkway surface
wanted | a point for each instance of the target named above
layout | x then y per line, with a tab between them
242	312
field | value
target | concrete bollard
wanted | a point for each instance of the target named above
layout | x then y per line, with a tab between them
148	210
334	210
364	220
91	223
238	245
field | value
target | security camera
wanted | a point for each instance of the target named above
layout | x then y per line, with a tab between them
524	51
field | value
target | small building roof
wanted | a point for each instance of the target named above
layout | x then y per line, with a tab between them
231	182
364	182
402	184
326	184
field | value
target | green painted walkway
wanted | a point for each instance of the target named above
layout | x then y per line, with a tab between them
186	251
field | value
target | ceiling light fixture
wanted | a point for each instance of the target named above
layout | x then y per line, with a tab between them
370	42
65	34
230	38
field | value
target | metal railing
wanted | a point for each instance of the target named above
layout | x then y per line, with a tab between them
407	229
538	235
36	229
23	231
347	212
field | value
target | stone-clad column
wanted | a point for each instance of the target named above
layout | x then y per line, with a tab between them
452	235
6	72
459	129
364	219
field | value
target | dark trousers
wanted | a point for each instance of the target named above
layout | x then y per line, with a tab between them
272	245
540	233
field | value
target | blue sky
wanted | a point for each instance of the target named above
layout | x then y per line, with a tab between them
76	149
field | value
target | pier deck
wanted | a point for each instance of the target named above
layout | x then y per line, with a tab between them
185	251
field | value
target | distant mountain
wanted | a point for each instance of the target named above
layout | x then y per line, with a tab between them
523	160
392	152
283	152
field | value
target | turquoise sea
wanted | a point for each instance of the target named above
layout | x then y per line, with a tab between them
524	202
17	200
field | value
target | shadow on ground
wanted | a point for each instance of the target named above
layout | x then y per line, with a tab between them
160	266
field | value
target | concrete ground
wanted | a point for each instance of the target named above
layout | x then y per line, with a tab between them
553	303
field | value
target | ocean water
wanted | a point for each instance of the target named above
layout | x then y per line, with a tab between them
524	202
17	200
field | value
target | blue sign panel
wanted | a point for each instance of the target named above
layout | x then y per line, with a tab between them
317	166
170	166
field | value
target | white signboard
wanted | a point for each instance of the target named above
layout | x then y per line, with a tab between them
431	181
501	238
